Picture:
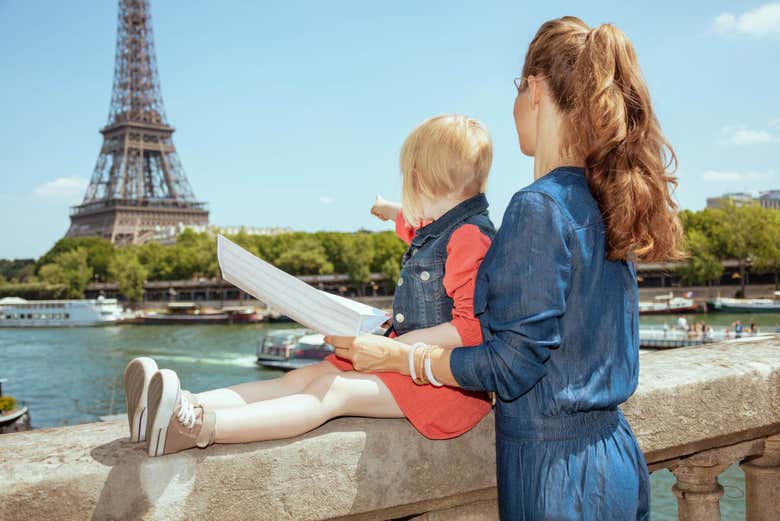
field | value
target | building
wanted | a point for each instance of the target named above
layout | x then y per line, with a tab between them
767	199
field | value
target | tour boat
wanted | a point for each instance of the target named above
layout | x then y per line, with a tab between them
18	312
290	349
668	304
192	313
744	305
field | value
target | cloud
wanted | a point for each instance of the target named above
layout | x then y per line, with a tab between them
741	135
760	22
326	199
70	188
734	176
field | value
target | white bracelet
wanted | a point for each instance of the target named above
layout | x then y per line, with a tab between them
412	351
429	373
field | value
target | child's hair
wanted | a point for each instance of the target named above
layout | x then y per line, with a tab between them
445	155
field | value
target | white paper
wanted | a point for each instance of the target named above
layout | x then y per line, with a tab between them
323	312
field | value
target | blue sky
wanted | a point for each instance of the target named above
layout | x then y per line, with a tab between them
293	113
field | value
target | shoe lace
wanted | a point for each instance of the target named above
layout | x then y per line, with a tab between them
186	414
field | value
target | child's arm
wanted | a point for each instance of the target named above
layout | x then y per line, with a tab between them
390	211
465	251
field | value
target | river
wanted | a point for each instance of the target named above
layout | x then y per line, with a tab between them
74	375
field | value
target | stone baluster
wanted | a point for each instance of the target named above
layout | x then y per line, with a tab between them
762	483
697	489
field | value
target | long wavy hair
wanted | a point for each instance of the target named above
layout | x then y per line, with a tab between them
594	78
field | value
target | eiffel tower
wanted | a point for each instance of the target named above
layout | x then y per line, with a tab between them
138	185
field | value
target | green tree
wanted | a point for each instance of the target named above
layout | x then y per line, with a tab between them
703	265
357	255
52	273
128	272
69	268
305	257
99	253
738	234
767	256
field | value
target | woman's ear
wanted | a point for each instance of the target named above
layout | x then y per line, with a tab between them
534	91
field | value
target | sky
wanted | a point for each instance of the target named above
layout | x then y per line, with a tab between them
293	113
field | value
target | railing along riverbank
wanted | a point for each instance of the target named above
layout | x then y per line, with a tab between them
696	411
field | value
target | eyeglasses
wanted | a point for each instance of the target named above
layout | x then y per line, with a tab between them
520	83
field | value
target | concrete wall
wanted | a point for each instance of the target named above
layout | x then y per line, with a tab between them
357	468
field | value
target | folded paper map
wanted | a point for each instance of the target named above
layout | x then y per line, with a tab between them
323	312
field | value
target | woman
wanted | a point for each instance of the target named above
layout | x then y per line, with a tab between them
557	293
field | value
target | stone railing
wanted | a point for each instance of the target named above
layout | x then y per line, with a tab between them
696	411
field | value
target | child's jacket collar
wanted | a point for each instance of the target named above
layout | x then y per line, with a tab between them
464	210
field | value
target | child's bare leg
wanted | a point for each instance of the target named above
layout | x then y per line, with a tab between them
250	392
330	395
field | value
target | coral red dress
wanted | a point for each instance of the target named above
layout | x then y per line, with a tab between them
444	412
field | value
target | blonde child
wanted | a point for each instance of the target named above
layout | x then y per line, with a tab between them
444	164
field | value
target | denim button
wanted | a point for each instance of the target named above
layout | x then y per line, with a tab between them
425	275
399	318
400	281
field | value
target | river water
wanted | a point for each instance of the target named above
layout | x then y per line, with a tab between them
74	375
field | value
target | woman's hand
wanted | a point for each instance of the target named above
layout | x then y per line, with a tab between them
385	210
372	352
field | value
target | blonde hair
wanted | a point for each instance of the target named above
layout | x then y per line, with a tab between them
445	155
594	78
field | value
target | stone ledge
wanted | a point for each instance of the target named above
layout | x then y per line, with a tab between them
359	468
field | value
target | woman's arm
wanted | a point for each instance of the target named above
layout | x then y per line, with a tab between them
527	283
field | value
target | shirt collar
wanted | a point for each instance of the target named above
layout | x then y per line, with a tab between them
464	210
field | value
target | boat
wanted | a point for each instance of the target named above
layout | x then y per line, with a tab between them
658	337
669	304
192	313
307	350
744	305
19	312
14	417
277	345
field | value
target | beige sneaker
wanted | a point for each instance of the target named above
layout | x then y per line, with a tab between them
138	373
175	422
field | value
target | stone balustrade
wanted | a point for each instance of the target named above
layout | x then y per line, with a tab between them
696	411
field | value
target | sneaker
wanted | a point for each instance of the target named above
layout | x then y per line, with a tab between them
138	373
175	423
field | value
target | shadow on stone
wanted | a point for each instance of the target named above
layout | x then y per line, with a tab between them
137	483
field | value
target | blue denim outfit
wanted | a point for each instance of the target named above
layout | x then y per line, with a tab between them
420	299
561	350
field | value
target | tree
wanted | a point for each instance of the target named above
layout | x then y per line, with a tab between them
703	264
130	275
99	253
738	233
357	256
52	273
69	268
767	257
305	257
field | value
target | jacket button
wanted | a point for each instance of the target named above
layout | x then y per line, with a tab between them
425	275
399	318
400	281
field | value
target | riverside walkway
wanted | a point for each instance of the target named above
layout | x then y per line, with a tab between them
696	411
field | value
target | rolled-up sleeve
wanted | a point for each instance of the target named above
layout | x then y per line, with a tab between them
527	276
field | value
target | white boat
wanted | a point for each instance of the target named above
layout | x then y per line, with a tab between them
18	312
744	305
668	304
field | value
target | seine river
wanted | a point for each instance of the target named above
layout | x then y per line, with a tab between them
74	375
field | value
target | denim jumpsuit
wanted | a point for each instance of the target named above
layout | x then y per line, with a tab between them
420	299
561	350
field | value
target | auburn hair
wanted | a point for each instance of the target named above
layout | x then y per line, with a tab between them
595	81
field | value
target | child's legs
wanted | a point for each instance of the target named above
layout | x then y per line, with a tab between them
249	392
330	395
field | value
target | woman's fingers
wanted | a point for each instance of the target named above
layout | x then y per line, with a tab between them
343	345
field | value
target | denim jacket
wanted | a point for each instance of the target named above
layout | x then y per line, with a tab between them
559	319
420	298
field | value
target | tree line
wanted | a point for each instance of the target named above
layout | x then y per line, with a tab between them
748	234
72	263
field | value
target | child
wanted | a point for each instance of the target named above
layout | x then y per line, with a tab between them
444	164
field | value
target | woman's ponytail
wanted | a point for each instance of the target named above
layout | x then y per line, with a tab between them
630	165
